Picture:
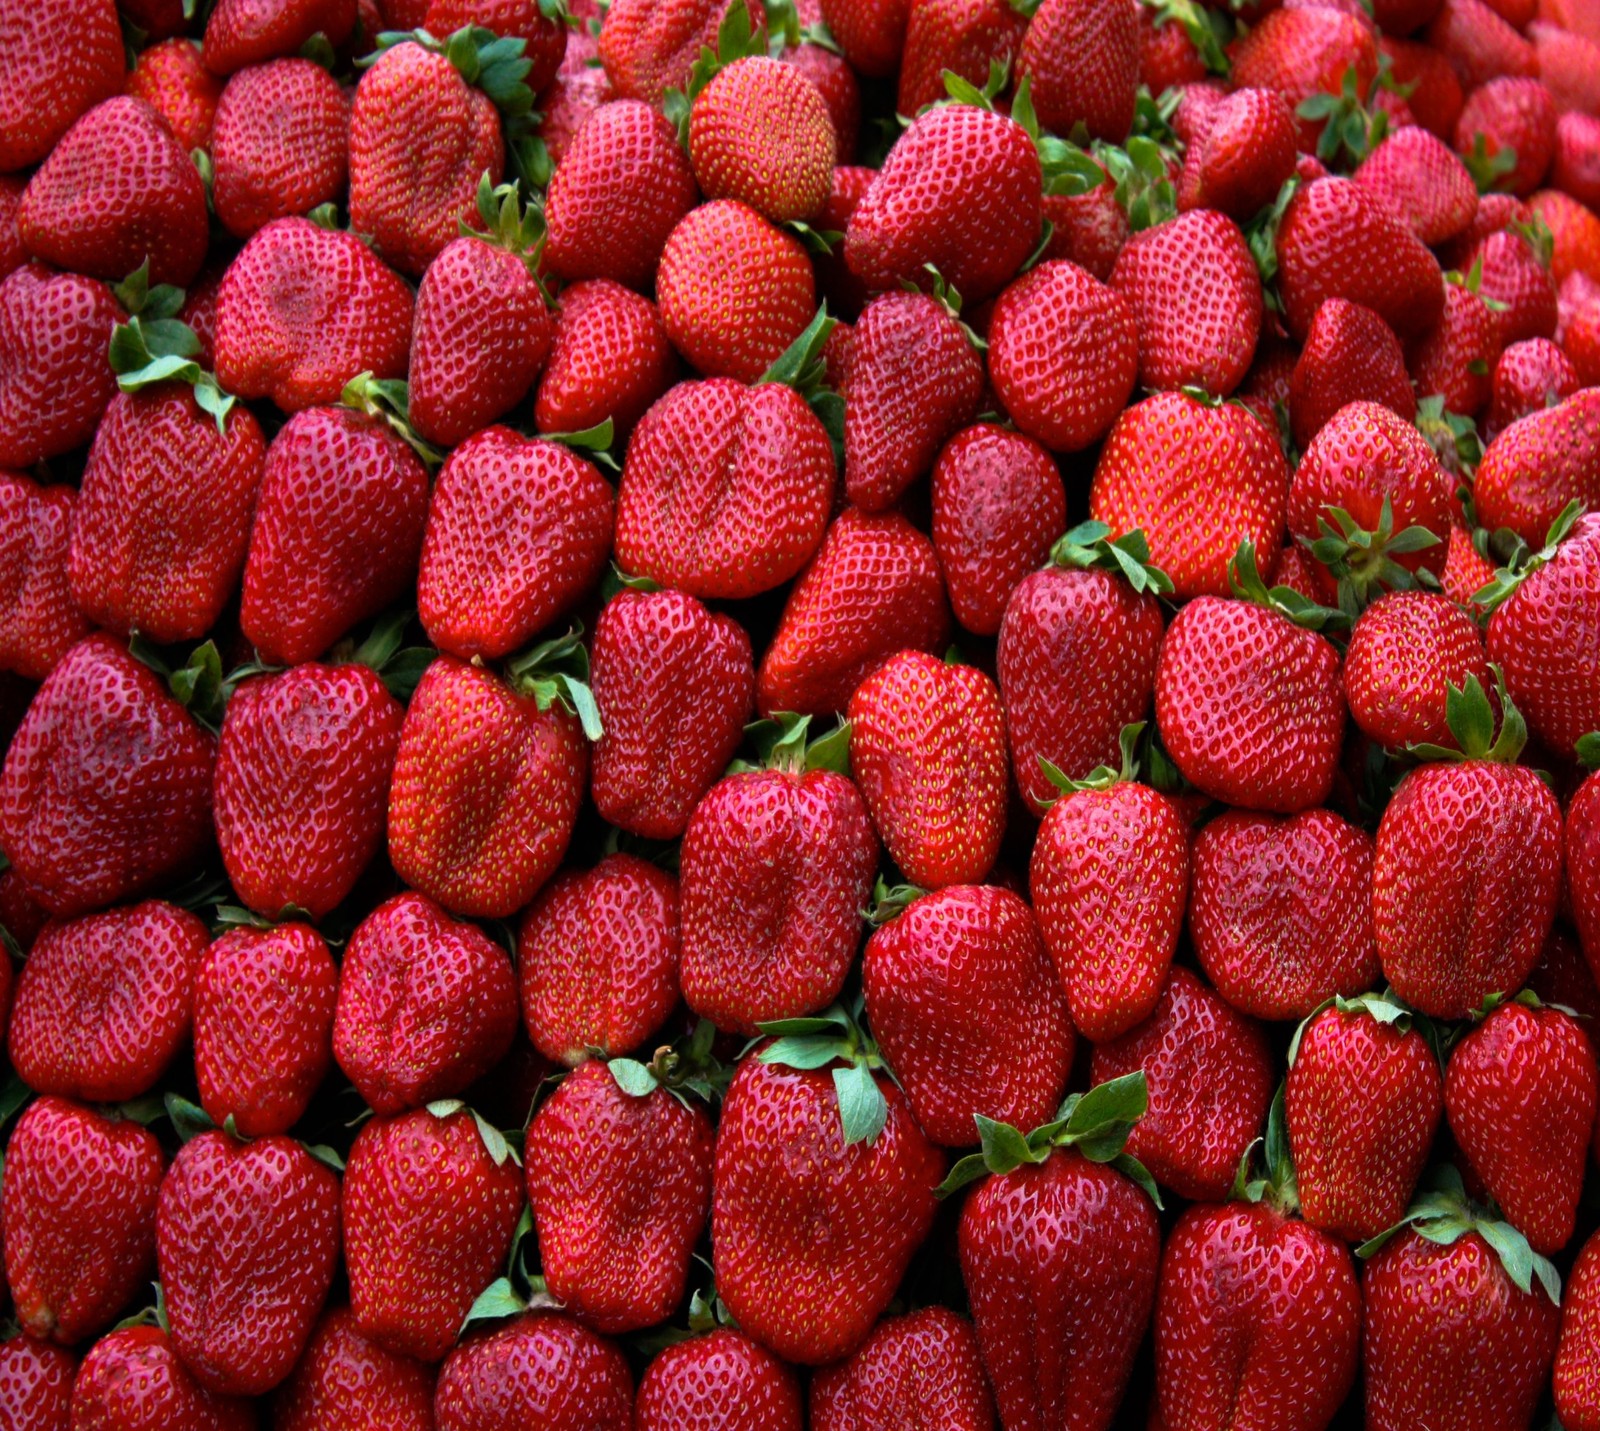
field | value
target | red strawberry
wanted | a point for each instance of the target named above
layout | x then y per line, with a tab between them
1090	229
1537	465
247	1240
870	33
429	1212
1577	1377
1479	43
1454	359
1067	92
248	32
302	310
1406	651
544	36
1350	356
597	957
263	1026
1575	169
873	589
1569	63
1574	231
488	781
836	81
648	48
577	92
1363	1099
12	253
1063	354
426	1005
1423	181
344	1382
963	36
1516	277
173	81
280	147
134	1380
540	1371
36	1385
103	1003
722	1380
674	685
920	1367
1306	51
58	63
80	1218
1528	377
1582	839
1466	569
1507	129
39	622
1244	156
943	977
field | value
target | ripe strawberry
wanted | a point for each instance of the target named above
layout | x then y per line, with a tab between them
963	36
1454	359
1166	449
1280	910
1528	377
280	147
937	977
721	1380
1477	43
1363	1100
302	785
488	780
542	1370
610	358
1575	169
920	1367
250	32
134	1380
1350	356
247	1241
872	589
803	1186
80	1217
54	378
426	1005
649	48
1577	1379
1090	229
344	1382
1569	64
58	64
263	1026
103	1003
1537	465
171	78
1063	354
1574	231
12	254
302	310
39	621
36	1385
1246	153
1514	276
1067	91
597	957
1509	116
429	1211
1466	569
1406	650
544	36
578	90
1582	838
518	532
1307	51
1423	181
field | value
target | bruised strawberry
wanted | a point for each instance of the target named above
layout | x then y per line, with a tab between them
923	1366
1081	58
540	1370
39	621
1407	649
249	32
134	1380
58	64
1350	355
344	1382
722	1379
171	78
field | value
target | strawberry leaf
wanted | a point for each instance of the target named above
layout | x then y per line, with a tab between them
863	1110
632	1077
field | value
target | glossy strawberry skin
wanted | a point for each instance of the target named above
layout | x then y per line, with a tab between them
1258	1315
1577	1377
39	621
263	1026
922	1366
58	65
724	1380
1363	1101
1455	358
247	1240
1280	910
1241	160
959	35
1350	355
541	1370
790	1199
517	534
172	79
1300	54
428	1219
486	791
80	1218
870	33
247	32
36	1384
1538	464
104	1002
1528	376
345	1382
426	1005
675	685
1404	651
134	1380
1582	855
1098	94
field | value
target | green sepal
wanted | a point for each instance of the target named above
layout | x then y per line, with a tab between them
1386	1007
1353	126
389	399
558	670
1261	234
150	349
198	685
1488	169
1523	564
1452	435
1090	544
319	50
782	744
737	39
800	365
1245	578
1362	561
594	443
510	224
1209	31
835	1038
189	1120
323	1154
1535	232
326	216
1277	1184
495	1142
960	90
383	651
154	1315
1470	716
1588	750
1102	777
1068	169
684	1067
632	1077
889	902
616	581
823	243
1144	189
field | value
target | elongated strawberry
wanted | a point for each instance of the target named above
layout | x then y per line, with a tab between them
610	359
1406	650
39	621
345	1382
924	1365
1350	355
134	1380
540	1370
57	65
1099	94
1582	855
722	1379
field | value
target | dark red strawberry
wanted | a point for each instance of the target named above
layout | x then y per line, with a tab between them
172	79
36	1385
923	1366
1350	355
248	32
1577	1377
12	253
721	1380
39	621
344	1382
1582	851
541	1370
1407	649
134	1380
57	64
1098	94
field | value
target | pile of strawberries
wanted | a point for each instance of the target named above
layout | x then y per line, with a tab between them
868	714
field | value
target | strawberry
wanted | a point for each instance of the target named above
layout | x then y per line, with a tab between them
998	508
58	64
249	32
1582	841
1523	1056
777	860
871	34
1350	355
597	957
649	48
12	254
542	1370
39	622
721	1380
834	79
1582	338
80	1217
488	779
1538	464
914	380
1406	650
1304	52
1280	910
1574	231
1454	360
518	532
922	1366
734	291
280	146
426	1005
302	785
1569	64
171	78
36	1385
1507	129
1063	354
814	1171
344	1382
1434	94
1162	451
610	358
1066	91
134	1380
1577	1393
621	188
1363	1099
619	1180
247	1240
1059	1252
1329	231
1249	700
1246	153
1575	169
302	310
54	378
963	36
263	1026
1110	919
1528	377
1186	340
1477	43
674	685
1062	623
1466	569
928	751
429	1212
937	976
1516	277
1089	229
577	91
543	35
103	1004
1210	1078
1423	182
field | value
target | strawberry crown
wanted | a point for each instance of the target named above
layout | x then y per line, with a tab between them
510	224
1452	435
556	672
1470	717
1386	1007
890	901
1535	232
1354	126
1488	169
1588	750
389	399
782	744
1209	31
1524	563
1096	1124
1244	576
737	39
1443	1214
786	31
801	366
680	1069
1102	777
835	1037
1276	1183
198	685
1091	545
156	346
189	1121
1364	562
